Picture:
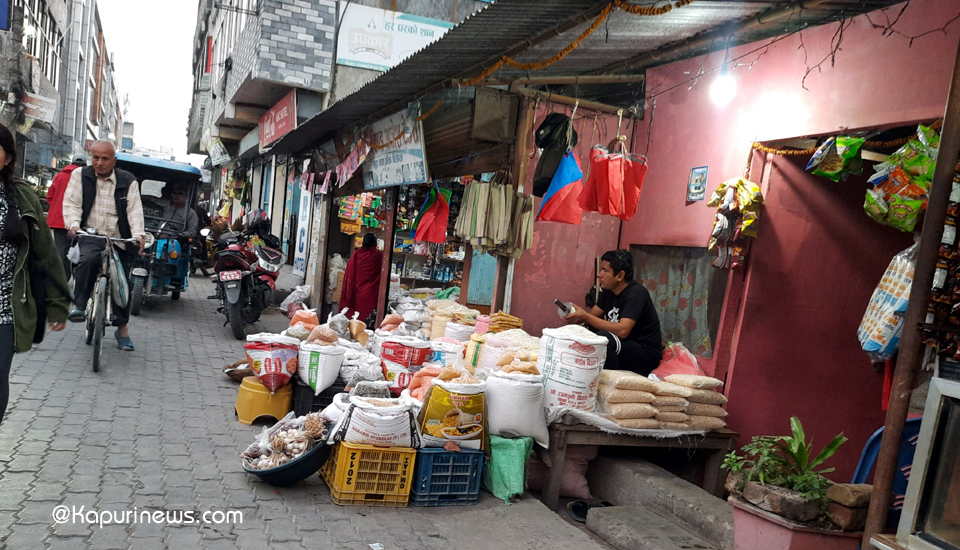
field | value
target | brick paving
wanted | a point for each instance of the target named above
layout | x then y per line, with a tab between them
155	430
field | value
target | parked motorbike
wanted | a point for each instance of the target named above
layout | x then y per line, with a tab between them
247	265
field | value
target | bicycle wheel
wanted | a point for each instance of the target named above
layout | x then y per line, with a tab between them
99	319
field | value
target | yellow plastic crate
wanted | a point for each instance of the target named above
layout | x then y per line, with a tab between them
365	475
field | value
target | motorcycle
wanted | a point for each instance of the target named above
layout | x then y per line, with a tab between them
247	265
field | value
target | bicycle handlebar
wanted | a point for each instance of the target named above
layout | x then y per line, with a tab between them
82	233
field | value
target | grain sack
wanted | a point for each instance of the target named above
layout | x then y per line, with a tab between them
382	422
672	409
709	397
639	423
273	358
405	351
668	401
672	417
694	381
515	404
493	349
706	423
629	410
454	412
666	388
612	394
675	426
458	332
472	351
438	326
571	366
319	366
445	353
703	409
626	380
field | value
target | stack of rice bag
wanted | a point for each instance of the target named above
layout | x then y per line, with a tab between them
682	402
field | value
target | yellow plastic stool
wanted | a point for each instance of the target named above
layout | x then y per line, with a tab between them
254	400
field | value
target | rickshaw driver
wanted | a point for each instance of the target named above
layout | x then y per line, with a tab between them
173	209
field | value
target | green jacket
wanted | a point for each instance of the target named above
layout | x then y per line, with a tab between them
41	252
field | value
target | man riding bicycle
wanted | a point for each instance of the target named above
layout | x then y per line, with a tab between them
107	200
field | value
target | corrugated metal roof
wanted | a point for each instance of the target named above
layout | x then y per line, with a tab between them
510	26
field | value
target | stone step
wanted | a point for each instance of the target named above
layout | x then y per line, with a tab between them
636	482
638	528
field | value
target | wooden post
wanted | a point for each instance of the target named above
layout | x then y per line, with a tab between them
911	346
388	235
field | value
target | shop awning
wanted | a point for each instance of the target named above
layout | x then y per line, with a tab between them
533	30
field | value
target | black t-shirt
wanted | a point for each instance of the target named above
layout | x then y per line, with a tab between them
634	303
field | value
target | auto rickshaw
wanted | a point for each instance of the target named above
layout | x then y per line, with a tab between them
168	191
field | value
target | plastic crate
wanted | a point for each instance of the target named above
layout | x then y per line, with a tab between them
304	402
369	476
446	478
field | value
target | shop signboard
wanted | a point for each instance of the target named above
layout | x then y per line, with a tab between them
376	39
280	120
218	153
39	107
303	228
401	162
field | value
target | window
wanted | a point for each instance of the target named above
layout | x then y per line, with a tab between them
42	40
686	290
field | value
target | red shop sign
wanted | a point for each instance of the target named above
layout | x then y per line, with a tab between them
279	120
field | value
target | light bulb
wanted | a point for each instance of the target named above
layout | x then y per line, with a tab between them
723	89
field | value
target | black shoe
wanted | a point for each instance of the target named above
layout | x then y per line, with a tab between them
76	316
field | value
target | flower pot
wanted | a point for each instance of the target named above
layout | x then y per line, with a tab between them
756	529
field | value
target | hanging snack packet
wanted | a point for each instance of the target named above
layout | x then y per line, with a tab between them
904	212
875	206
930	139
841	156
913	158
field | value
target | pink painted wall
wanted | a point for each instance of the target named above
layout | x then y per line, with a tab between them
818	257
812	269
877	81
561	262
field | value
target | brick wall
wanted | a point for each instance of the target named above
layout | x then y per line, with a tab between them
296	44
244	56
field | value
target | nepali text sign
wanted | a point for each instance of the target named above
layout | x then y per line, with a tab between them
279	120
372	38
402	162
303	239
39	107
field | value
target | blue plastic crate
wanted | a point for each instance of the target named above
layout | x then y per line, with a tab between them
446	478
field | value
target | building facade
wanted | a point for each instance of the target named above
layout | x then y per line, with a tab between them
60	84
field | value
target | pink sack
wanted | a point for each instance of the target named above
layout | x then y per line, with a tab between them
677	359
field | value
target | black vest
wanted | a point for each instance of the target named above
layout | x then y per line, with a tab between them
88	176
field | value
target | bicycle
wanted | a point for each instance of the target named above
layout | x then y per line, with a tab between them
99	309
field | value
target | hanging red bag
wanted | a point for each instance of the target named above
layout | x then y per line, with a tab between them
432	225
616	177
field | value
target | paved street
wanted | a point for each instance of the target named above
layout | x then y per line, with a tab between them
155	430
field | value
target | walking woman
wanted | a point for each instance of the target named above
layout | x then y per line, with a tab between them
30	268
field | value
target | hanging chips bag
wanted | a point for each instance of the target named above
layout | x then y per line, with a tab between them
904	212
875	206
837	158
915	161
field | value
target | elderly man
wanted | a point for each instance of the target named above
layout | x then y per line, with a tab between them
107	200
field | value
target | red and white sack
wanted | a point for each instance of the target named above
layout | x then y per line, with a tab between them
319	366
397	375
571	365
405	351
273	358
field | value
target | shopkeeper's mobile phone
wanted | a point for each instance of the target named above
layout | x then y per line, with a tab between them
562	306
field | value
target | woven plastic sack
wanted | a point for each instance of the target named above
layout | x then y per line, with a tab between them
319	366
571	366
504	472
515	404
273	358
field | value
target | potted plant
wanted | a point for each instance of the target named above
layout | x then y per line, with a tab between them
779	494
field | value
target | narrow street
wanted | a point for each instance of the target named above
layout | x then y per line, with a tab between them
155	430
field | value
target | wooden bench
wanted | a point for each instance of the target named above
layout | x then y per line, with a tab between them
717	443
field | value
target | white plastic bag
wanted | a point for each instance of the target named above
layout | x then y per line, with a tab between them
571	366
299	296
319	366
515	404
882	324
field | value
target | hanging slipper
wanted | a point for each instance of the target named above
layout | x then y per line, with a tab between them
578	509
124	343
